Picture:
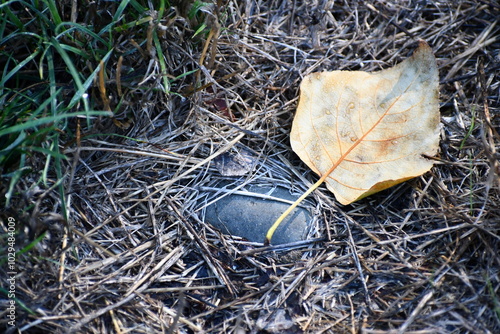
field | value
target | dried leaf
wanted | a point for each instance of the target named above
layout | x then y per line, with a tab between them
235	164
365	132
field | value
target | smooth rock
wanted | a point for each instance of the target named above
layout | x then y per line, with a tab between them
251	211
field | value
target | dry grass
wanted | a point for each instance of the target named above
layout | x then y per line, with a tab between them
137	257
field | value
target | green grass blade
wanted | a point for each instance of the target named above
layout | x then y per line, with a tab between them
161	10
49	152
46	120
12	18
26	248
51	4
137	6
84	30
83	89
163	65
15	177
17	68
119	10
20	303
73	71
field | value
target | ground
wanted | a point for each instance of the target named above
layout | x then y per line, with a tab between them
109	233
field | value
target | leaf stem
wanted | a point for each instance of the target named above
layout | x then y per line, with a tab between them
273	228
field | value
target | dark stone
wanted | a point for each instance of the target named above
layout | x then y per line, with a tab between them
250	216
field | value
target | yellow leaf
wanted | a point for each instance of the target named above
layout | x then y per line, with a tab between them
368	131
365	132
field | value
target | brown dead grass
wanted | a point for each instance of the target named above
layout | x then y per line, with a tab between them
137	257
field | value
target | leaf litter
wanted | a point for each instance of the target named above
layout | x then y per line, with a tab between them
421	257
